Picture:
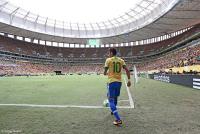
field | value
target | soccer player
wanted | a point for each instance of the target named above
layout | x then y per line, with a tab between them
113	68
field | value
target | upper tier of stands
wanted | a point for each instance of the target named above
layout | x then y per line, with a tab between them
27	48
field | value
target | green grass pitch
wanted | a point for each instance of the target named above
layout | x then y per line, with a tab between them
160	108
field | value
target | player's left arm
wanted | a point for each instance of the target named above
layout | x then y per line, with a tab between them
127	73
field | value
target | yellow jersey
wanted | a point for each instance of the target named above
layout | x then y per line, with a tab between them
114	65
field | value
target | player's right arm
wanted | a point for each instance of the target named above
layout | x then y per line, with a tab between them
106	67
105	70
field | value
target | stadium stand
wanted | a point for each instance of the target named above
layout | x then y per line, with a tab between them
188	56
11	67
27	48
24	58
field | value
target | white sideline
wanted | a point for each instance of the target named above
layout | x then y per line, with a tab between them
129	95
61	106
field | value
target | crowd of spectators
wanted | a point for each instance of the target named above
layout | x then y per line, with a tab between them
184	57
18	67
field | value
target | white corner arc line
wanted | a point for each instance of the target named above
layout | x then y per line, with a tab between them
62	106
123	100
129	95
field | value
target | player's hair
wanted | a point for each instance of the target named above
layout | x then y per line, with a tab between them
113	51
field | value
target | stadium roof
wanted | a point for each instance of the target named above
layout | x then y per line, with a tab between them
146	19
108	19
79	12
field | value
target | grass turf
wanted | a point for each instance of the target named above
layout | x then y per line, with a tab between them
55	90
161	108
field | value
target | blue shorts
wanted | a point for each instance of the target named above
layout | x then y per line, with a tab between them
114	89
